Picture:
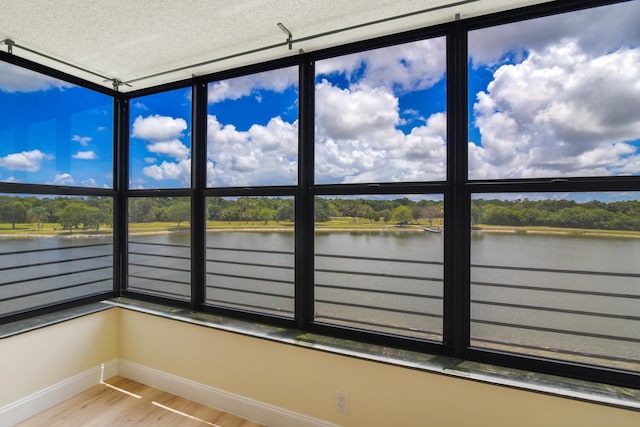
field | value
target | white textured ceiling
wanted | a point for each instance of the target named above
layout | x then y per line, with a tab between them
130	40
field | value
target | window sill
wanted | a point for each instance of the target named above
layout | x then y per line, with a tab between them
32	323
605	394
524	380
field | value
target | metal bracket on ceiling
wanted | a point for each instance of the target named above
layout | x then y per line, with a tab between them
288	33
117	83
10	43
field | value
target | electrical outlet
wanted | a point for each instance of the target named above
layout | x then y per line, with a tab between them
341	401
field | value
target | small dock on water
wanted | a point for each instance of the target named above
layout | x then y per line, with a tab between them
430	229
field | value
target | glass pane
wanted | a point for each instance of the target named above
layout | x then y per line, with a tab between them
160	246
379	263
381	115
160	140
250	259
556	96
557	275
53	132
252	130
53	249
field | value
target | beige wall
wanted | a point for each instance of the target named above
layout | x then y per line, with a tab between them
35	360
305	381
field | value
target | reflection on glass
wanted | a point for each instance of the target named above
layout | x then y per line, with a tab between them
160	140
379	263
252	130
556	96
250	258
53	132
381	115
160	246
53	250
556	275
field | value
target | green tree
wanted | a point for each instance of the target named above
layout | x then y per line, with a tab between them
72	215
38	215
286	211
264	214
94	217
16	212
178	212
230	213
385	214
403	215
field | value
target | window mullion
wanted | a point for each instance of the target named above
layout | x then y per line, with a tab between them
304	218
456	290
198	184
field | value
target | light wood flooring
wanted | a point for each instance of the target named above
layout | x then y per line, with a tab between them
123	402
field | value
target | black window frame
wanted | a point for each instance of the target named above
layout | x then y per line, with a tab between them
17	189
457	191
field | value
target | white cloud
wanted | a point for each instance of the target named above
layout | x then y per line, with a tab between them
89	182
83	140
236	88
16	79
406	67
85	155
150	160
29	161
180	171
559	112
158	128
63	179
263	155
358	140
173	148
612	26
364	113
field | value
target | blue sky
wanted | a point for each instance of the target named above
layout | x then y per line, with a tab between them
546	99
53	132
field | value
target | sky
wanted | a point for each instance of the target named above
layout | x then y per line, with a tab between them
52	132
546	99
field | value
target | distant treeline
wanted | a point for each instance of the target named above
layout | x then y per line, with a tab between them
558	213
69	212
92	212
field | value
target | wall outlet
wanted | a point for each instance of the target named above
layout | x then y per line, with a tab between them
341	401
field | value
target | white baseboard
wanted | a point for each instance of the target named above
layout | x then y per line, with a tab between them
209	396
37	402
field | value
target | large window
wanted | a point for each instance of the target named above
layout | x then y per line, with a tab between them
252	158
471	189
556	96
159	220
160	144
252	130
53	250
250	254
379	264
159	246
56	206
53	132
381	115
556	275
554	116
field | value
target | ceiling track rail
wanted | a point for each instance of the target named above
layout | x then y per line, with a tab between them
11	44
116	83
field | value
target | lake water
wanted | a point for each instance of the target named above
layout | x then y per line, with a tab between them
535	294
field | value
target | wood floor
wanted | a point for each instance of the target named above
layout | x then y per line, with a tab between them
123	402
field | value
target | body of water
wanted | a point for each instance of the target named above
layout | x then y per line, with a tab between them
563	296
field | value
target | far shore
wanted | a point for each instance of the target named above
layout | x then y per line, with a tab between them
157	228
